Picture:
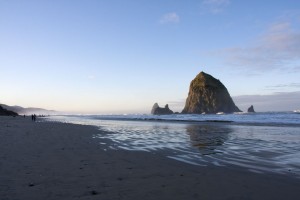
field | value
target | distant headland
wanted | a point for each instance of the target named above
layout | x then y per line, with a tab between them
5	112
28	111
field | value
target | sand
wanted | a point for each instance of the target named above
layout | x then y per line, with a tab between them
62	161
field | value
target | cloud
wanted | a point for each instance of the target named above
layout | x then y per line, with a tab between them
278	48
170	18
91	77
281	86
177	106
280	101
295	69
215	6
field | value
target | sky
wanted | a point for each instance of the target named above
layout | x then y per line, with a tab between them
122	56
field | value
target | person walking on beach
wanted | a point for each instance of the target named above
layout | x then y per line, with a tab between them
33	117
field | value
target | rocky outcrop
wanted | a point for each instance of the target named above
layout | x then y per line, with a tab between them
156	110
208	95
251	109
4	112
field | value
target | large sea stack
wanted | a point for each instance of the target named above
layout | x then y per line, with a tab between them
208	95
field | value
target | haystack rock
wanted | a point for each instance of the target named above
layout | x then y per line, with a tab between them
208	95
251	109
156	110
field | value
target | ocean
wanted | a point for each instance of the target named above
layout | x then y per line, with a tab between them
259	142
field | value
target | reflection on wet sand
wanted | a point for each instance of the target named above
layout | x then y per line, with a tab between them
259	148
208	138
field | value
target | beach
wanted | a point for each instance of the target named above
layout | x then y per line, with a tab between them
50	160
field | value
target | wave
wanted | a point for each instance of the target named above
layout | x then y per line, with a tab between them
265	118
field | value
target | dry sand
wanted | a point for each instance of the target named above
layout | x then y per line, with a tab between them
43	161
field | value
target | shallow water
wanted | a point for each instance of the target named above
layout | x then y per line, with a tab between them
258	148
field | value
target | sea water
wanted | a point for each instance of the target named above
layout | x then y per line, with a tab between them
260	142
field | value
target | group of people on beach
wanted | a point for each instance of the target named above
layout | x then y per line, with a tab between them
33	117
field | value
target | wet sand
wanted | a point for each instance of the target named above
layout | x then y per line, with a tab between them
62	161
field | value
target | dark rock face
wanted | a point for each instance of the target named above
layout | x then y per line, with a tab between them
251	109
208	95
4	112
156	110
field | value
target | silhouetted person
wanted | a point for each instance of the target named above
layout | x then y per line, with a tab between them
33	117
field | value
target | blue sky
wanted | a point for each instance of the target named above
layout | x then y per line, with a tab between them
118	56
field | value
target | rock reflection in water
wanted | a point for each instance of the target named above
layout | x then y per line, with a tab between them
208	138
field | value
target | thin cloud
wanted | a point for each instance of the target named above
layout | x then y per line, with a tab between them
91	77
290	85
215	6
280	101
177	105
278	48
295	69
168	18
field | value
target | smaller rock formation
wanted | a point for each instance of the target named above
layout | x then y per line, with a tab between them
156	110
251	109
4	112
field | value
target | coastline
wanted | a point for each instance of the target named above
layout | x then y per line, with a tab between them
53	160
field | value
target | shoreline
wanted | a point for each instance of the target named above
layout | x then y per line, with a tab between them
52	160
210	122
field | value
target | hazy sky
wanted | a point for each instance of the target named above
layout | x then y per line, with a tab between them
122	56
